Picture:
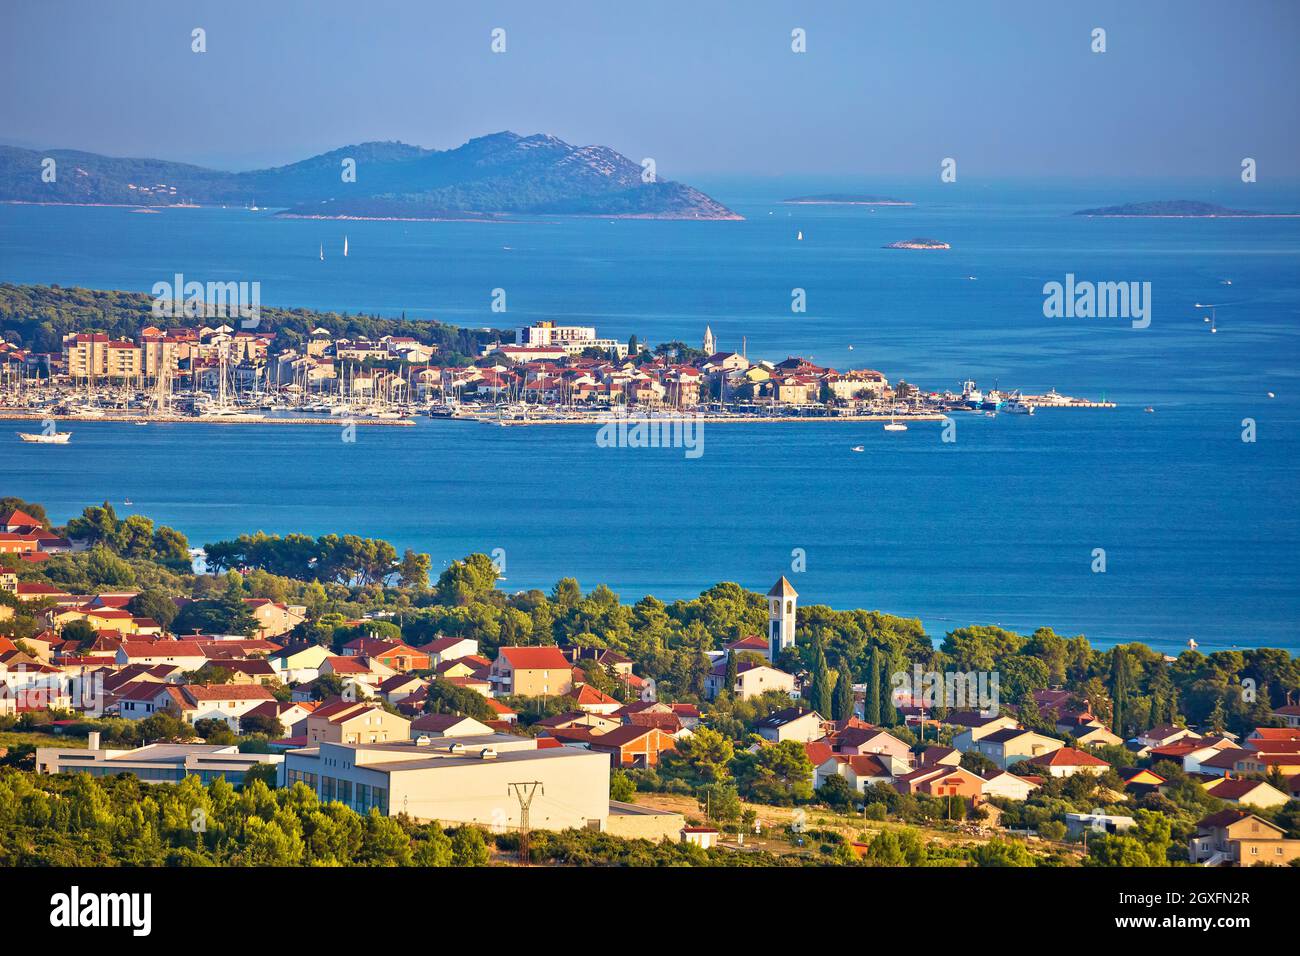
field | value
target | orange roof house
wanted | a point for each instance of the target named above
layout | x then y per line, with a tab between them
1067	761
531	672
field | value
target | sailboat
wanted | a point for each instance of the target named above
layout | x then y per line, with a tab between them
800	236
322	252
345	247
894	426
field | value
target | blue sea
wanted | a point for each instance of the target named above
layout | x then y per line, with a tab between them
1201	530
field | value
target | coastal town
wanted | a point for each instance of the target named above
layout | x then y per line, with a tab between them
549	373
445	706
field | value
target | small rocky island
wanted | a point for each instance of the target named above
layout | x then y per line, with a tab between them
845	199
1176	209
918	244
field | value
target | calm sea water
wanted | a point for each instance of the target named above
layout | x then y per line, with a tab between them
1201	530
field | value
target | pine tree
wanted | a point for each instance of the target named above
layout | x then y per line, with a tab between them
733	672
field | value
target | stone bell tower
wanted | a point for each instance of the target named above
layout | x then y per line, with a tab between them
781	602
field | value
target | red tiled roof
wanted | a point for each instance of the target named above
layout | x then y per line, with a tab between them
534	658
227	692
1067	757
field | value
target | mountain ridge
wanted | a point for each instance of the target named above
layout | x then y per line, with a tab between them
493	175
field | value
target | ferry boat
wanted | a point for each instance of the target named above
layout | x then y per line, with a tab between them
40	438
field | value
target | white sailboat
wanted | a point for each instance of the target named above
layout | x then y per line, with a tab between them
894	426
322	252
345	247
800	236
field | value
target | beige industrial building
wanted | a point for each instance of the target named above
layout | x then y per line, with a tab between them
460	780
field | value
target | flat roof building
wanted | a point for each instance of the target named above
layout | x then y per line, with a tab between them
155	763
460	780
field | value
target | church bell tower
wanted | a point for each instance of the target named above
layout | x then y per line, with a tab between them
780	617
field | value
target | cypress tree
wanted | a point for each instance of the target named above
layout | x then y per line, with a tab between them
843	693
733	672
1120	682
871	706
888	712
821	695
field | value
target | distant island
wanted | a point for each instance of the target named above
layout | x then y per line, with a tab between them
1178	209
489	177
918	244
845	199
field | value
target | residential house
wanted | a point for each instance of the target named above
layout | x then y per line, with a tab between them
274	618
592	701
630	745
355	722
183	654
1290	713
531	672
1007	746
752	679
1140	781
395	655
1094	735
225	702
401	686
793	723
442	649
1235	837
1246	793
858	770
298	665
1163	735
942	781
1002	783
1066	762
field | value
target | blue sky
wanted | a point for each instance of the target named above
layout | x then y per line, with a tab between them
1010	88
